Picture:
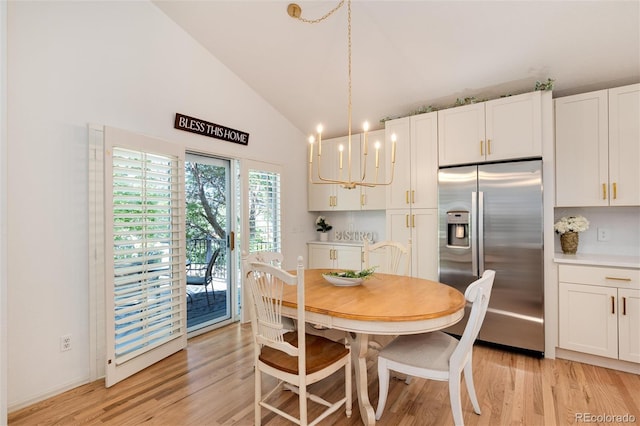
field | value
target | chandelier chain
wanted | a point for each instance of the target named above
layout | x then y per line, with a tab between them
323	17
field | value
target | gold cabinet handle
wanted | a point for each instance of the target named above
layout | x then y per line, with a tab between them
624	306
363	200
482	148
488	146
615	190
413	220
617	279
613	305
604	191
413	196
406	220
406	197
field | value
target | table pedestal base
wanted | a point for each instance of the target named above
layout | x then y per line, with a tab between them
359	347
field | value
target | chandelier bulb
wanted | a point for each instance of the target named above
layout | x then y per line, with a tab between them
319	128
365	126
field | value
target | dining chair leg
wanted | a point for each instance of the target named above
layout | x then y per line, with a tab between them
347	387
468	379
257	397
383	379
454	396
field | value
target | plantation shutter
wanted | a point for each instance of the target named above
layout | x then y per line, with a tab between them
264	211
261	209
144	251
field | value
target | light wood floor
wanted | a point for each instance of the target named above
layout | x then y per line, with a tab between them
211	383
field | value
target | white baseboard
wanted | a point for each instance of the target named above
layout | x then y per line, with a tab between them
615	364
15	406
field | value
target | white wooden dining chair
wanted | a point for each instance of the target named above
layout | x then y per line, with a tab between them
389	257
273	258
296	359
437	355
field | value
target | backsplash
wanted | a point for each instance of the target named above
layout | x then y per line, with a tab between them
622	224
352	226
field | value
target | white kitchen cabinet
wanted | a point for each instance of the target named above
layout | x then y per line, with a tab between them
629	325
374	198
597	148
501	129
334	256
624	146
421	227
415	178
328	197
599	311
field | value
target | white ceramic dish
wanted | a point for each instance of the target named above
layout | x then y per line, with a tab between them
342	281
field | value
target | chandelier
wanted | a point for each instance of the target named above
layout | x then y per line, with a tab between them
353	179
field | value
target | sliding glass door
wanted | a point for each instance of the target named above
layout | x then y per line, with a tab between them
209	237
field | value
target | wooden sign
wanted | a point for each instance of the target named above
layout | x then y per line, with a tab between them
205	128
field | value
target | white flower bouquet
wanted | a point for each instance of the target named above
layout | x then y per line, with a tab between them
571	224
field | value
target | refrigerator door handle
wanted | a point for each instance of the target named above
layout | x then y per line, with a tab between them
480	233
473	234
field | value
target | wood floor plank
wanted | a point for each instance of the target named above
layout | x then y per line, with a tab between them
211	383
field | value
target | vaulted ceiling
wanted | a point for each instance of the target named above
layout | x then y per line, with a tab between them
410	54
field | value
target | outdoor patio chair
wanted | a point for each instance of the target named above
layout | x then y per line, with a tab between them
207	278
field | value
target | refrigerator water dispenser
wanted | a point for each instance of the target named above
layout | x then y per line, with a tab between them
458	229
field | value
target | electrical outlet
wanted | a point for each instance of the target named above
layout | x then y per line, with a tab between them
603	234
65	343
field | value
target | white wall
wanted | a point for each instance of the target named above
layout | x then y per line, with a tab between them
3	213
123	64
622	225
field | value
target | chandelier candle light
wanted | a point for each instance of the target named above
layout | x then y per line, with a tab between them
361	180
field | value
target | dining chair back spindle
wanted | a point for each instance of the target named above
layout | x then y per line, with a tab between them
391	257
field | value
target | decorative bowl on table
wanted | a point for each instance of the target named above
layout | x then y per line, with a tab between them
348	278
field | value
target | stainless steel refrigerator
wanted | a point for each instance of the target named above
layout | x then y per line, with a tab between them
490	217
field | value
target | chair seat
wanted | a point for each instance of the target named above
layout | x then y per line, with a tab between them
320	353
429	351
196	280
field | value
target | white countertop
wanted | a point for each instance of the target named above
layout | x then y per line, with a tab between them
598	260
337	243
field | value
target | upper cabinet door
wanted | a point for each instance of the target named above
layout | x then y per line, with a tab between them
582	150
424	160
624	145
513	127
400	189
461	135
374	198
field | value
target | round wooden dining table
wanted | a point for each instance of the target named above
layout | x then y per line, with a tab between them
383	304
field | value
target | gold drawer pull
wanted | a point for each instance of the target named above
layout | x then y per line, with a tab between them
488	146
406	197
604	191
413	196
615	190
482	148
618	279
